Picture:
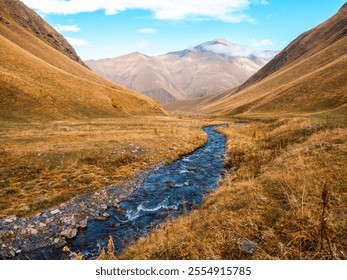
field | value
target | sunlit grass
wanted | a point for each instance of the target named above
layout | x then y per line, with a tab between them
45	164
270	205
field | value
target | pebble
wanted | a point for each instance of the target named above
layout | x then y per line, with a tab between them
83	224
103	206
117	206
56	240
42	225
55	211
249	246
49	220
29	234
106	215
32	231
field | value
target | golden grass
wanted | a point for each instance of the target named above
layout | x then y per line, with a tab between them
310	85
307	77
45	164
39	83
285	198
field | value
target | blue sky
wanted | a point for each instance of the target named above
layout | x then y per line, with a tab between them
110	28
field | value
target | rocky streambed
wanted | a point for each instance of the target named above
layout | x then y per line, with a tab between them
126	212
55	227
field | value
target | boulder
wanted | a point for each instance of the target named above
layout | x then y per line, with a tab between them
69	233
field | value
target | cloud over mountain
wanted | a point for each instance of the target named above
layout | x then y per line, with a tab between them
230	49
202	70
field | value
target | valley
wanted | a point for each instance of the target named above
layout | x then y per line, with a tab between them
79	151
185	74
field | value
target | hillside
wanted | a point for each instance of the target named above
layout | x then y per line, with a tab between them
140	72
40	82
212	66
24	17
307	77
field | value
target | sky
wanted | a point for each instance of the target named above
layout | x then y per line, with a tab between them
110	28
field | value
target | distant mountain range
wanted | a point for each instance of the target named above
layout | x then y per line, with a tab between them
205	69
308	77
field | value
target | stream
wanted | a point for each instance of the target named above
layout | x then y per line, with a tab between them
170	191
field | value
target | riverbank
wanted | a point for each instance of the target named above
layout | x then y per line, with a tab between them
55	177
55	227
45	164
284	197
126	212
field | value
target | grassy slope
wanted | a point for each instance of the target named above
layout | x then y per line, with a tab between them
270	204
194	105
314	85
307	77
14	13
40	83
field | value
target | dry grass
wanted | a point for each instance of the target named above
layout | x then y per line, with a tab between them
45	164
307	77
284	198
39	83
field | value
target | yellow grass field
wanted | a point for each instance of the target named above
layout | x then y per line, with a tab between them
45	164
284	197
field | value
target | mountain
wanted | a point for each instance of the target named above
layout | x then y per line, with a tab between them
200	71
24	17
141	73
308	77
42	77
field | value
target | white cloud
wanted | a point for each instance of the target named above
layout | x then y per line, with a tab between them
261	2
77	42
264	42
69	28
143	45
224	10
236	50
147	30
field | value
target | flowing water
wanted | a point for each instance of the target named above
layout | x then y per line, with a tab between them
168	192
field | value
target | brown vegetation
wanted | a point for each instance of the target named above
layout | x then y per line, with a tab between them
308	77
39	82
43	165
284	198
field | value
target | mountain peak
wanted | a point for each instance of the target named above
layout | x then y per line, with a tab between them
221	41
218	41
224	47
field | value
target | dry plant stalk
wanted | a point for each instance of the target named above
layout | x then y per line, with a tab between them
323	223
109	253
73	255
